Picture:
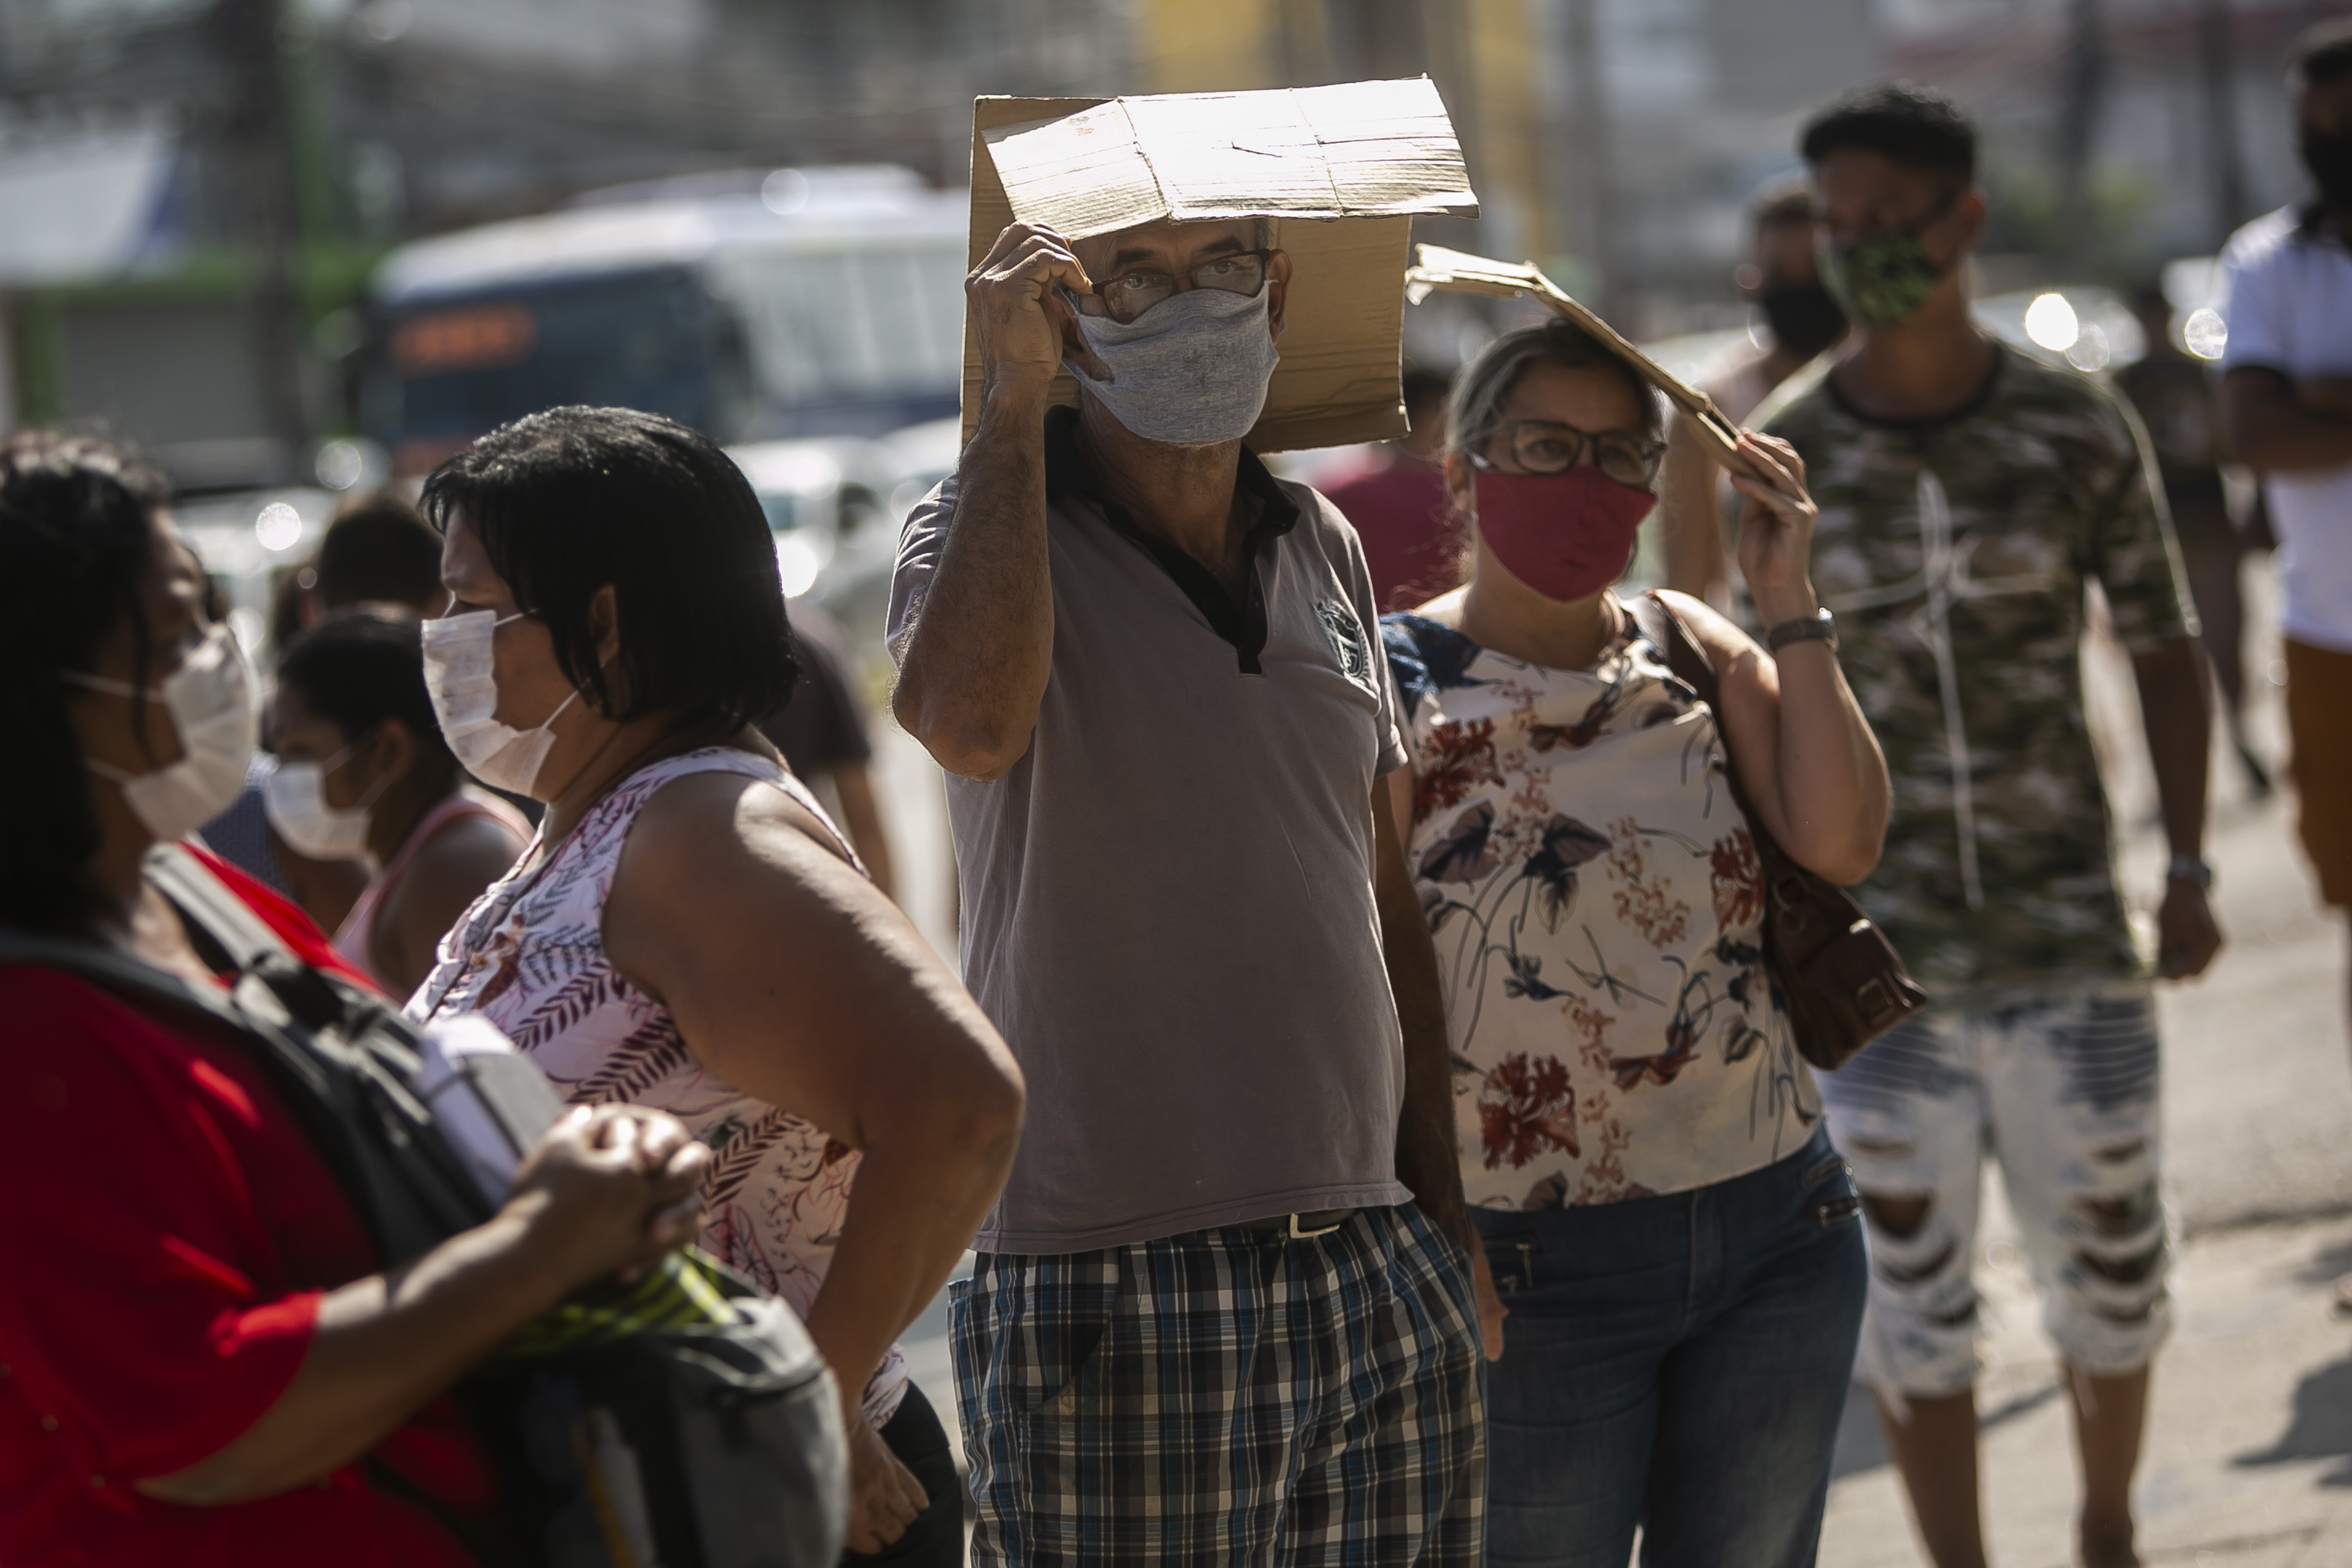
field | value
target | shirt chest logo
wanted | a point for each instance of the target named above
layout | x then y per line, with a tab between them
1350	650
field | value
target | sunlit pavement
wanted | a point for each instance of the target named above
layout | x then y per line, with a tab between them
2249	1443
2249	1436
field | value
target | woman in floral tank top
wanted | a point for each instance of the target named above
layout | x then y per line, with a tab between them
687	932
1640	1142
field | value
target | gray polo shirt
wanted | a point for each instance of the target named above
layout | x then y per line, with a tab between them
1168	903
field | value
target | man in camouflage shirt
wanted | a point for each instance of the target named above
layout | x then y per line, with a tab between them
1969	492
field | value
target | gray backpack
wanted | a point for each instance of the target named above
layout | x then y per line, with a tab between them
683	1422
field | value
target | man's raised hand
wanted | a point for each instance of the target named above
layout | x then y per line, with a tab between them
1010	296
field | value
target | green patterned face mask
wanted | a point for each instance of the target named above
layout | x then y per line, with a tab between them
1882	280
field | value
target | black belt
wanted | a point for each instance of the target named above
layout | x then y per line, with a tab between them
1297	1227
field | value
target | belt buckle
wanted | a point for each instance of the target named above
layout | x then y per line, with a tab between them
1298	1234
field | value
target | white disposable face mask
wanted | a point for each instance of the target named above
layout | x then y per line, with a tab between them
212	703
460	677
296	798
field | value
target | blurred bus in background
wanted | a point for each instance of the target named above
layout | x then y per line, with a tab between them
753	305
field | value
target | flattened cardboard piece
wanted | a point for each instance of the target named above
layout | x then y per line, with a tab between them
1347	230
1371	149
1460	273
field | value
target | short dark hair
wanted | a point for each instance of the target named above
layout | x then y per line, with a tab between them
76	537
577	499
1784	201
359	669
2322	53
380	549
1914	127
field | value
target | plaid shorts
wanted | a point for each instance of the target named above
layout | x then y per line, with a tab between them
1228	1396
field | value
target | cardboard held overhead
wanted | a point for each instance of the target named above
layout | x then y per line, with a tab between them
1341	170
1458	272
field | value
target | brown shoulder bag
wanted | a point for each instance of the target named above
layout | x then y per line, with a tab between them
1843	981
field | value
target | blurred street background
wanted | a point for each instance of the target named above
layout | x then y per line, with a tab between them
301	249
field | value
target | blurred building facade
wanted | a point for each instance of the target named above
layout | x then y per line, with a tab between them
233	168
1619	140
221	174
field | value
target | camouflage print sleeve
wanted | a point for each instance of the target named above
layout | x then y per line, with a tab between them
2132	549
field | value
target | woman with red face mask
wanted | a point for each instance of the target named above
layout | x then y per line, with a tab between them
1642	1145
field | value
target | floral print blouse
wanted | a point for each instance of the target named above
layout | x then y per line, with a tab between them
1598	909
529	956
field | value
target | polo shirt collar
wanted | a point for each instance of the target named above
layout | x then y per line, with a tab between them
1243	625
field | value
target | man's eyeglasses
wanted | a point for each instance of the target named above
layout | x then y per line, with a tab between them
1548	446
1139	289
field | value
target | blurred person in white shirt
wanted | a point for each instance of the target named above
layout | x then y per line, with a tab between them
2287	402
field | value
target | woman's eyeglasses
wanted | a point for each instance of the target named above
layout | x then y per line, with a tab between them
1138	289
1548	446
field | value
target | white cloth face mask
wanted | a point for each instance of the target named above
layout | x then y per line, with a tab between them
296	798
460	677
214	706
1192	370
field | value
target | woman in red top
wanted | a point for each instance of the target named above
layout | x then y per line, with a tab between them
197	1346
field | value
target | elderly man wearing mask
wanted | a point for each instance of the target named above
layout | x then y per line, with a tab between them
1225	1306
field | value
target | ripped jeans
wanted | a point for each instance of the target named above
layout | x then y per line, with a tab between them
2063	1091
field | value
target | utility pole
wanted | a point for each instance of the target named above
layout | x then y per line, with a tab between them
1446	39
2084	90
1590	198
258	127
2217	59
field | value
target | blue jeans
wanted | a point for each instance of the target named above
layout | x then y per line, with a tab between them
1679	1363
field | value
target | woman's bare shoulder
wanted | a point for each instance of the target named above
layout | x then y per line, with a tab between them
723	824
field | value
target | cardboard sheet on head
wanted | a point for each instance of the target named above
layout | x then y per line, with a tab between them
1342	171
1437	267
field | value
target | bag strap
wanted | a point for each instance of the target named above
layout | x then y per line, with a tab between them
1691	665
1685	657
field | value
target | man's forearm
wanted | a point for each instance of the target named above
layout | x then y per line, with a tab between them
2175	712
976	666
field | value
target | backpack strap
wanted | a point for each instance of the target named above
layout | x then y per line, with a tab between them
175	871
221	919
119	973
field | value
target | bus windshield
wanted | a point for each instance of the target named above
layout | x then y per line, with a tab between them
745	325
653	339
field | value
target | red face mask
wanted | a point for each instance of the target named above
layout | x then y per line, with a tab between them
1567	536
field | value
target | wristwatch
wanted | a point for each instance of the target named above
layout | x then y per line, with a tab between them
1820	626
2189	868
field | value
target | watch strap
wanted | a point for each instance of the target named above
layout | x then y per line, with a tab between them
1819	626
2189	868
